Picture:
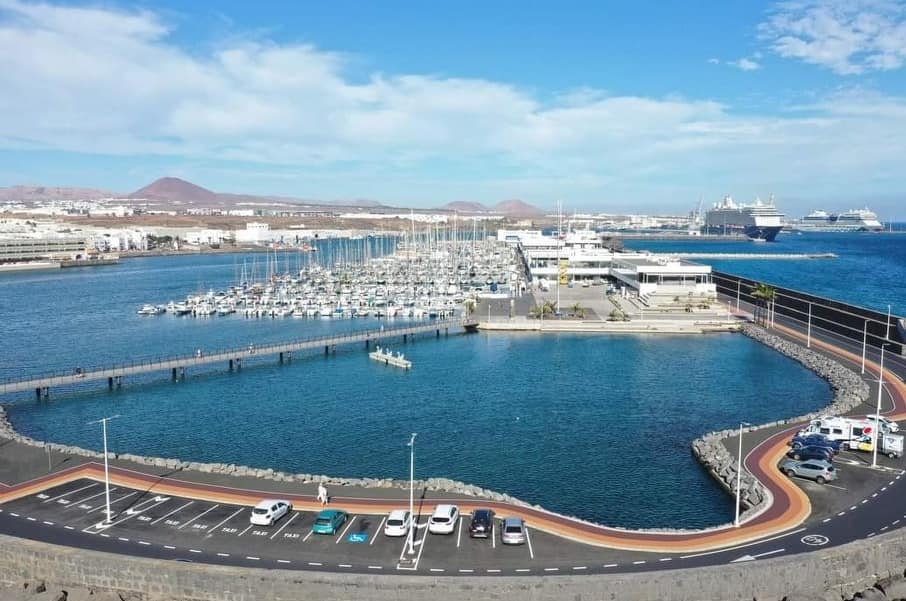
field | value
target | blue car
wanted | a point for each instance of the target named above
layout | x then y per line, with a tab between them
329	521
815	440
811	452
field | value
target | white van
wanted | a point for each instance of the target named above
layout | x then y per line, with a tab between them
888	444
839	428
887	424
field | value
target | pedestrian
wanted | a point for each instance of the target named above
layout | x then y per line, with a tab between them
322	494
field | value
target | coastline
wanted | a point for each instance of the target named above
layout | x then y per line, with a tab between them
848	388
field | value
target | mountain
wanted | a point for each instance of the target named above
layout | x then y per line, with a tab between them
464	206
517	208
49	193
176	190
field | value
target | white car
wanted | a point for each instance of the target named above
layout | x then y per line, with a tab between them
397	523
443	520
886	424
269	511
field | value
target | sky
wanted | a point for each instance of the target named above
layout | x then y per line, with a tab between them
645	106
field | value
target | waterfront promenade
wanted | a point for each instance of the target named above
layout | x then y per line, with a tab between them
232	358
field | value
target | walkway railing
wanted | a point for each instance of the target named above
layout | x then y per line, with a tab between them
178	362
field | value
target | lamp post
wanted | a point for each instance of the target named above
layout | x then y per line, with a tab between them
864	343
739	473
874	446
808	341
411	446
887	325
103	421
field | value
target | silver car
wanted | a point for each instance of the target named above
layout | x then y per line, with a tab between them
819	470
513	531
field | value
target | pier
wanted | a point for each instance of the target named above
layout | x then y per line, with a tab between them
232	358
387	357
748	256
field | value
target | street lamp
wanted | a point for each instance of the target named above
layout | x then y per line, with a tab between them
411	446
874	451
864	343
103	421
739	473
808	343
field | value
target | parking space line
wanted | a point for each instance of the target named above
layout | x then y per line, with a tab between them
80	501
198	516
72	492
380	527
528	539
134	511
172	512
493	538
100	507
285	524
247	528
459	532
213	528
342	534
307	536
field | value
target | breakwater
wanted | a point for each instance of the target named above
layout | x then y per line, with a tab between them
849	392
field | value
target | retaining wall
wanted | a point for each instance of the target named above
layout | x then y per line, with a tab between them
842	571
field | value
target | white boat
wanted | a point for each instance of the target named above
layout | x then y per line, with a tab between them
151	310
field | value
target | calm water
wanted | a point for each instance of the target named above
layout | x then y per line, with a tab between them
870	270
592	426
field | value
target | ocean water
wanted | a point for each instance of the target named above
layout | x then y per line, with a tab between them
869	271
592	426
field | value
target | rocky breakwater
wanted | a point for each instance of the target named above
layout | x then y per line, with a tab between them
849	391
431	484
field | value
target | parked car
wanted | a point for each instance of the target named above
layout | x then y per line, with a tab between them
887	424
815	440
443	520
397	523
513	531
269	511
328	521
814	469
482	523
811	452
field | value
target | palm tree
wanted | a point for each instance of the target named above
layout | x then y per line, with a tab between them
469	305
765	295
578	310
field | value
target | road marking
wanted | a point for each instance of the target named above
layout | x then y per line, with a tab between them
883	488
343	565
48	523
171	547
307	536
528	539
841	513
69	527
435	570
253	558
31	519
611	565
65	494
142	542
580	567
523	570
14	514
870	534
213	528
349	525
493	538
135	511
223	555
834	486
852	508
493	571
638	563
864	501
283	561
194	551
459	532
285	524
171	513
99	507
825	520
80	501
375	567
315	563
874	495
551	569
766	540
466	571
883	528
665	559
380	527
890	483
198	516
125	540
895	522
754	557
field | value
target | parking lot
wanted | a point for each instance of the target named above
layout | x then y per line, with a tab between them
144	522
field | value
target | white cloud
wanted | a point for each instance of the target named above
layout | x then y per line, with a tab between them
745	64
713	61
93	80
847	36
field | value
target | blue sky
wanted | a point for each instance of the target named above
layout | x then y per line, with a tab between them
642	106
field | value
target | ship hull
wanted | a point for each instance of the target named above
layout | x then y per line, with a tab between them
763	232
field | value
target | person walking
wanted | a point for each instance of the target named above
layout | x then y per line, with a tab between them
322	494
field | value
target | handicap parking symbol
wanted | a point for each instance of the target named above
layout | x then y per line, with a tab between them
357	537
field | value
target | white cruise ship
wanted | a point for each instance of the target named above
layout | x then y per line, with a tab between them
759	220
854	220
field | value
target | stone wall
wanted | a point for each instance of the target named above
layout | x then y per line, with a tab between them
849	392
835	573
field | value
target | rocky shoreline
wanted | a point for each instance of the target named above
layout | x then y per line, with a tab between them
849	391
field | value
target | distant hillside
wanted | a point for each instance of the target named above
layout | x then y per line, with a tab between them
464	206
176	190
47	193
517	208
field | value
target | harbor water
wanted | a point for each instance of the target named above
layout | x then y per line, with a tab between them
593	426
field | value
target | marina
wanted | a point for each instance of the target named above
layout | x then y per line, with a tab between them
386	356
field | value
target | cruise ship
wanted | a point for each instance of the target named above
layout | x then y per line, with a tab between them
759	221
854	220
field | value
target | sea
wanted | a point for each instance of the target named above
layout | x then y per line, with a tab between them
597	427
